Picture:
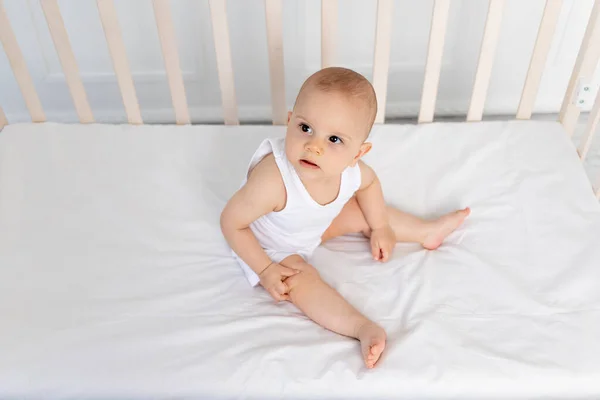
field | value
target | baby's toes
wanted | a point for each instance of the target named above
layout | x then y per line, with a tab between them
372	343
371	359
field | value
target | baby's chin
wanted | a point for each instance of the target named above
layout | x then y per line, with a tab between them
317	173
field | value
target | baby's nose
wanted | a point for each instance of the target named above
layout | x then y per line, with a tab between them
314	146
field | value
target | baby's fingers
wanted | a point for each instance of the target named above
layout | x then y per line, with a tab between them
285	271
386	251
280	297
276	296
385	254
282	288
375	250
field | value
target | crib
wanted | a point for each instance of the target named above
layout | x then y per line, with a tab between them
115	280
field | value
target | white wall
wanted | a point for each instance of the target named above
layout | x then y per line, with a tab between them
302	55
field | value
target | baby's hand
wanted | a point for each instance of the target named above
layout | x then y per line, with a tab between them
383	241
272	280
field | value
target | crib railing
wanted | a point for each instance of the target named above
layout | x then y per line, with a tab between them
587	59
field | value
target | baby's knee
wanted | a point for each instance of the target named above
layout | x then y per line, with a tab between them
307	276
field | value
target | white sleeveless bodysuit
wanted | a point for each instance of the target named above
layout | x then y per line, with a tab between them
297	229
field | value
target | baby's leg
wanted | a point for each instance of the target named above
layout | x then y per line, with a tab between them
406	227
321	303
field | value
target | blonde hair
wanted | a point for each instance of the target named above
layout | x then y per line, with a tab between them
346	82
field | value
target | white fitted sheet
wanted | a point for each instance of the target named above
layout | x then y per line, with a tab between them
115	280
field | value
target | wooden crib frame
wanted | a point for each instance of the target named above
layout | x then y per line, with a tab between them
587	59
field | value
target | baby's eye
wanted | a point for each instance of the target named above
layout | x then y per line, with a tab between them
335	139
305	128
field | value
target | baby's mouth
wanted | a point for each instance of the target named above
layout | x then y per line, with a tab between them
308	164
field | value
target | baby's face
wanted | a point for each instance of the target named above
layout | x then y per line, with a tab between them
326	134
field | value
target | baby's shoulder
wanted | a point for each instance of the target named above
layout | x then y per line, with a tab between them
266	177
366	173
265	169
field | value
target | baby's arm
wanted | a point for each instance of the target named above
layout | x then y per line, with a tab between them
372	204
263	193
370	198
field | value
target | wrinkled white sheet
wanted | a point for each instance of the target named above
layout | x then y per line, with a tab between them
115	280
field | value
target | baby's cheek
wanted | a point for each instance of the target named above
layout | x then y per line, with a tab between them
291	147
335	163
346	158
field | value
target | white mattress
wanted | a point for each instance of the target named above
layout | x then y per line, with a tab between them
115	280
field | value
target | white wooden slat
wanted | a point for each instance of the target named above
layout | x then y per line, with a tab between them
67	60
218	15
538	58
433	64
3	120
116	48
486	60
381	62
273	10
168	44
585	64
19	67
329	27
590	129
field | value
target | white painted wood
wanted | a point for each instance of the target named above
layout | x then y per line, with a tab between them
220	27
3	120
433	64
590	129
486	60
538	58
301	35
168	44
381	63
329	27
273	10
116	48
19	68
587	58
67	60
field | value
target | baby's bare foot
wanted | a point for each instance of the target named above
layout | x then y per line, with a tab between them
444	226
372	342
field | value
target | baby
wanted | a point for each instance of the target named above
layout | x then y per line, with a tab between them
312	186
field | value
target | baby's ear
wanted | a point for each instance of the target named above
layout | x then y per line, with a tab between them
364	149
289	116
